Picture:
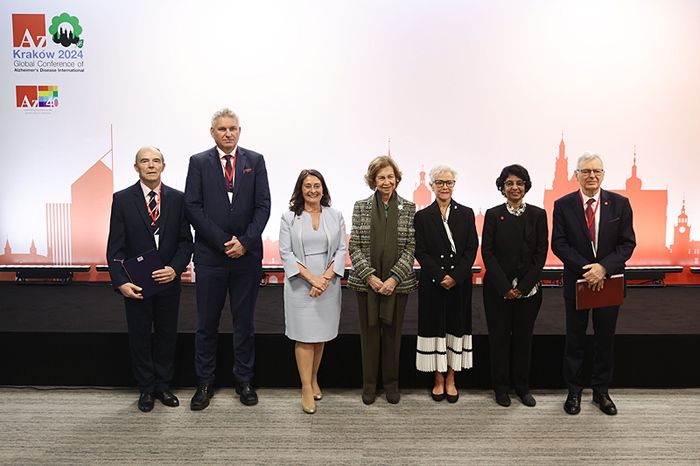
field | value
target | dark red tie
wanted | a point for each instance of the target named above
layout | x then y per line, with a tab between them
590	219
229	173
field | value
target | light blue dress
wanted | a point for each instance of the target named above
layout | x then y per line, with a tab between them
307	319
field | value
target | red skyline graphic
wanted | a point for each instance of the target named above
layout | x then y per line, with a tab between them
76	232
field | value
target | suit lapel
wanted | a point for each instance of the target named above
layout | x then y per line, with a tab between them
141	210
580	215
217	173
241	159
165	204
436	217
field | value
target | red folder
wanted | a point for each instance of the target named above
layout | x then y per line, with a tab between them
612	294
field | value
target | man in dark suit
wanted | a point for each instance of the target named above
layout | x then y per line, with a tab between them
146	216
593	236
227	198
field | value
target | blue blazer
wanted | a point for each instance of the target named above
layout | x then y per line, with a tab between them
214	218
130	231
292	247
571	241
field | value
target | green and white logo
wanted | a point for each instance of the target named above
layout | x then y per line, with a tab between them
66	30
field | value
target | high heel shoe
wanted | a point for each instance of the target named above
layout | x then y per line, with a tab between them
318	396
308	409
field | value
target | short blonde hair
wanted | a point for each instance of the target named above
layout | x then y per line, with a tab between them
377	164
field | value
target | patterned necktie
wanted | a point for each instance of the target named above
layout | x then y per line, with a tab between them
154	212
229	173
590	219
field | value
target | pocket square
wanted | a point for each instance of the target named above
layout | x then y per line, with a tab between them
247	170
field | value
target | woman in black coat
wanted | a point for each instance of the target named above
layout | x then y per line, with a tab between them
446	244
514	248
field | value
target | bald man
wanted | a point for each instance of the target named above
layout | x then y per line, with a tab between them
149	215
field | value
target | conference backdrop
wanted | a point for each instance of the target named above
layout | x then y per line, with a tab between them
329	85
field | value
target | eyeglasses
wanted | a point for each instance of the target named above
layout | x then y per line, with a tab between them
441	183
510	184
587	172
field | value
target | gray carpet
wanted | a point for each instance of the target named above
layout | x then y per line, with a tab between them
104	427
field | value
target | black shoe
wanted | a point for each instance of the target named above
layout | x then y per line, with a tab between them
368	397
393	397
247	394
146	402
167	398
452	398
572	405
201	397
503	399
438	396
604	403
527	399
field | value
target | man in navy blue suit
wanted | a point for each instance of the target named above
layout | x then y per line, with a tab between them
227	198
593	236
149	215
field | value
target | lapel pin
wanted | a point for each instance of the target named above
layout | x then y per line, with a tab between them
605	203
502	218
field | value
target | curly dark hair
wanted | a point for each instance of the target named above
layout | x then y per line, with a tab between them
296	203
516	170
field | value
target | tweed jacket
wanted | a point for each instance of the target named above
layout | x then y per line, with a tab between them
359	246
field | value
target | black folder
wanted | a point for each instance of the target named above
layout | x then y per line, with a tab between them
139	270
612	294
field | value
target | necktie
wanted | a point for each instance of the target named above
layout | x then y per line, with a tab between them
153	211
590	219
229	173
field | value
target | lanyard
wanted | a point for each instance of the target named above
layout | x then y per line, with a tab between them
229	175
592	220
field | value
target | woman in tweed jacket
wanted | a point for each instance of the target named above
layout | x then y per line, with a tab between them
381	248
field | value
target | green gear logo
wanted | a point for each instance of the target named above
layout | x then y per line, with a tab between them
65	30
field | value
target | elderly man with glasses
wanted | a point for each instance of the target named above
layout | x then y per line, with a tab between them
593	236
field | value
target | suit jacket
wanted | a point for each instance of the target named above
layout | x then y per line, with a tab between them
571	241
360	246
130	232
508	254
214	218
292	247
433	249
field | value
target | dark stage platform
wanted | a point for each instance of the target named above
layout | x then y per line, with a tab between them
75	334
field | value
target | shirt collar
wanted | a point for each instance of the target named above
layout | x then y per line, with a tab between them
222	153
586	198
147	190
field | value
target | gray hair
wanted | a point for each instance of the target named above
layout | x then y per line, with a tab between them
587	157
437	169
138	152
224	112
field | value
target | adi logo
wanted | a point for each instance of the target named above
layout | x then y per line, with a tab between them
65	30
37	96
29	30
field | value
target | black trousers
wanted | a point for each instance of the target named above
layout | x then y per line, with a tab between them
604	323
241	283
152	326
381	338
510	323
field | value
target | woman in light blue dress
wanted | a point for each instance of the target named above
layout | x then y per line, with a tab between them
312	246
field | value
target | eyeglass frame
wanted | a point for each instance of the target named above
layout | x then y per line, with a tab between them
441	183
588	172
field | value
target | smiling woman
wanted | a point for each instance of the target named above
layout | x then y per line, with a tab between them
381	250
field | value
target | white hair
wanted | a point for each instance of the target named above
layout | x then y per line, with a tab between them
437	169
224	112
587	157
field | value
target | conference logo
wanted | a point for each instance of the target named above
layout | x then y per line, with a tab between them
37	97
53	46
